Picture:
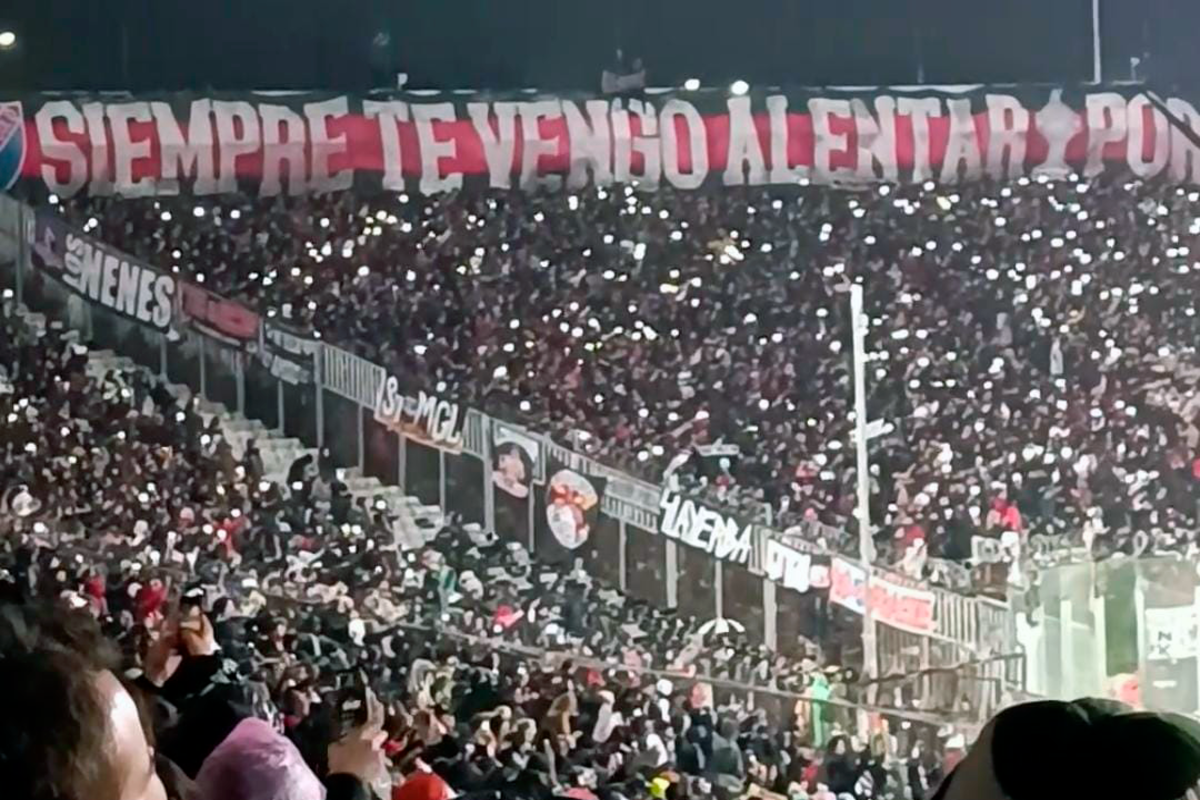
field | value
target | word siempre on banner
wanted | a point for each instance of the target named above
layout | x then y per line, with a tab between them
426	418
699	526
300	142
899	606
101	274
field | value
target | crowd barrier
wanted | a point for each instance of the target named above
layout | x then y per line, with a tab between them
970	694
658	545
895	711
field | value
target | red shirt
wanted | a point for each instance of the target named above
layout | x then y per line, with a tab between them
149	600
1010	515
421	786
910	534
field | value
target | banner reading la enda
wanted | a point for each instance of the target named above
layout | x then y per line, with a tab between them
272	143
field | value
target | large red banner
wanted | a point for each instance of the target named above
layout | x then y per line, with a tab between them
269	143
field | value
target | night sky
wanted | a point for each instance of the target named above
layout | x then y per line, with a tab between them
563	44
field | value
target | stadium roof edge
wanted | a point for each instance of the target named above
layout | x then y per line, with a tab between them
650	90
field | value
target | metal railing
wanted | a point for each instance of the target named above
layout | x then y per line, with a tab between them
336	410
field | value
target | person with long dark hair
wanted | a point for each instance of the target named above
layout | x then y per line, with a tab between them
513	469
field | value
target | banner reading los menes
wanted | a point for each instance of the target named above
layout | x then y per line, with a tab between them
272	142
101	273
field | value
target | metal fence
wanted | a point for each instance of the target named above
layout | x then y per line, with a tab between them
814	720
336	410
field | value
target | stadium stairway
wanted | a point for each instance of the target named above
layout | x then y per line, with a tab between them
415	523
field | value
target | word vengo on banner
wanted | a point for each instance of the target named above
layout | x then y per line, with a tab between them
167	144
892	604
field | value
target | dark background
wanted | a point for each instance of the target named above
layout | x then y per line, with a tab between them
559	44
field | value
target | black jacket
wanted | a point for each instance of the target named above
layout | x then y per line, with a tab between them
345	787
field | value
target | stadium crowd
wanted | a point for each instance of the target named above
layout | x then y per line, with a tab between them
140	558
1030	343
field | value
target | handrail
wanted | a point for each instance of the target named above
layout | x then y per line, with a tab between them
73	547
584	660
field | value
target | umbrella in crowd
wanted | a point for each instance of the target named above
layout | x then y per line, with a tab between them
721	626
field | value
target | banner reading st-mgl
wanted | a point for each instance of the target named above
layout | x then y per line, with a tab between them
270	143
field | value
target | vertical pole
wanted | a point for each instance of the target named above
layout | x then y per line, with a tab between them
925	686
1143	638
672	574
770	615
1100	636
402	462
240	375
866	549
623	581
530	505
718	590
442	480
362	441
489	486
1102	642
1066	638
1097	53
24	234
162	357
279	412
203	368
319	384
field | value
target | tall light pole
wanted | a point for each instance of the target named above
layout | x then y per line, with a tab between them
863	432
1097	63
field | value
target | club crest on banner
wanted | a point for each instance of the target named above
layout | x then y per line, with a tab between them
571	503
12	144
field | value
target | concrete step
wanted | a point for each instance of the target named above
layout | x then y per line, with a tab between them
415	523
363	485
242	425
274	443
214	409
